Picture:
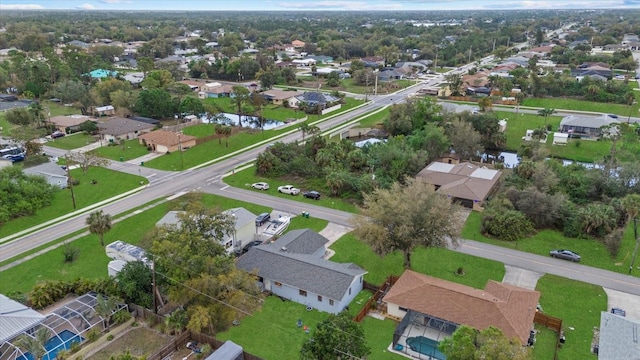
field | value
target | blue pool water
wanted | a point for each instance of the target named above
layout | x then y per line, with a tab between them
425	346
63	341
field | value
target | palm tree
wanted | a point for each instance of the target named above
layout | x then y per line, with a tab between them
35	345
546	112
99	224
241	96
177	321
104	308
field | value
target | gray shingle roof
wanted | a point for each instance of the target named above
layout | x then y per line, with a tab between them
120	126
302	271
302	241
587	121
16	318
619	338
44	169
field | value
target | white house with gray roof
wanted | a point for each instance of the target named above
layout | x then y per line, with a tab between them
16	318
585	126
52	172
619	337
243	232
293	268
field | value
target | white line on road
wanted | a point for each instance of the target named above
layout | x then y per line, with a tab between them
224	188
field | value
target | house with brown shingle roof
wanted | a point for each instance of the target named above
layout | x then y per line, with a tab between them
435	303
297	44
64	123
117	128
163	141
277	96
465	182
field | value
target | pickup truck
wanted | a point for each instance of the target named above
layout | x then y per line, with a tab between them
288	189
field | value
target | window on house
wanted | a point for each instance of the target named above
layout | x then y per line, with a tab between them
403	309
302	293
349	291
331	302
360	279
277	284
319	298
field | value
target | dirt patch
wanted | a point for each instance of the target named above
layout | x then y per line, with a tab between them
140	341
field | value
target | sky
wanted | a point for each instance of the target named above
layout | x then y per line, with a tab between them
317	5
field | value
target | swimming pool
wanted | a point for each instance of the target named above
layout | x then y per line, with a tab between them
425	346
63	341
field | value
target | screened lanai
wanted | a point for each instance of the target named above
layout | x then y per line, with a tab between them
418	335
66	325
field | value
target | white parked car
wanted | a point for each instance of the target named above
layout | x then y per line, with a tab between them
260	186
288	189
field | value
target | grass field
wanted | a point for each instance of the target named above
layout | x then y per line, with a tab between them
72	141
593	252
110	183
582	105
244	179
375	119
132	149
578	305
200	130
440	263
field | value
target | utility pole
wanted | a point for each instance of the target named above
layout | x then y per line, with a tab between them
635	235
469	55
180	149
494	46
153	284
69	180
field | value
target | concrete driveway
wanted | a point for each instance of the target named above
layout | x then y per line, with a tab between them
628	302
520	277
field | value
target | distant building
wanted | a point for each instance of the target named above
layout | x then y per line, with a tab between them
53	173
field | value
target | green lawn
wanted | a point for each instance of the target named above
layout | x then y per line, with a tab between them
200	130
593	252
72	141
244	179
132	149
379	334
273	112
375	119
578	305
440	263
578	150
110	183
582	105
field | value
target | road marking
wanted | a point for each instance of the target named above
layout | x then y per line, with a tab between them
224	188
215	178
176	195
152	175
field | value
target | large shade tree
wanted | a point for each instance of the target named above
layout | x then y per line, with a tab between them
404	217
467	343
202	276
337	337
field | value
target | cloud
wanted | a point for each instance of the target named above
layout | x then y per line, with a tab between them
86	6
21	7
111	1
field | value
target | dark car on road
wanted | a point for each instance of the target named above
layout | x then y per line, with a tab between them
262	218
312	195
565	254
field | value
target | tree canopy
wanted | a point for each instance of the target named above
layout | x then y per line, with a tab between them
335	338
22	194
404	217
467	343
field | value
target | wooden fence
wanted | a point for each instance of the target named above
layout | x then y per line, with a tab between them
180	341
552	323
378	293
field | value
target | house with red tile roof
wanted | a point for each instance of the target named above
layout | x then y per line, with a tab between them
437	307
163	141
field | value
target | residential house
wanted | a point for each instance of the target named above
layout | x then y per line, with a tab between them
107	110
465	182
304	62
68	123
293	268
244	229
436	307
15	319
298	44
215	90
52	172
314	100
228	351
117	128
154	122
193	85
584	126
133	78
619	337
614	47
373	61
277	96
592	69
392	74
163	141
78	43
321	59
630	38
